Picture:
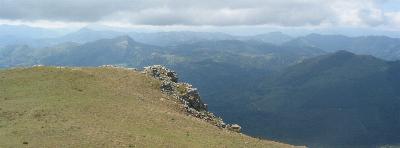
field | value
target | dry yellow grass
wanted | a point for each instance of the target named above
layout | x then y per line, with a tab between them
100	107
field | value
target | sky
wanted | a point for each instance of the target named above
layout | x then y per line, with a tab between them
209	15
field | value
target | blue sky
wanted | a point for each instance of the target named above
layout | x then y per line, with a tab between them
391	5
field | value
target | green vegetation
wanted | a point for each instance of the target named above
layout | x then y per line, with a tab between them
181	89
100	107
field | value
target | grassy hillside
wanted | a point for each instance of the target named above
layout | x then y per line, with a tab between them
100	107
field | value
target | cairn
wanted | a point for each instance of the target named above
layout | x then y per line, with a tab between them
187	95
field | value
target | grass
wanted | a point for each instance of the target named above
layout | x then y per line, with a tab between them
181	88
100	107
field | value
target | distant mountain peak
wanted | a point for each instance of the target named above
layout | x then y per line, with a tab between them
277	33
85	30
124	40
124	37
340	56
343	53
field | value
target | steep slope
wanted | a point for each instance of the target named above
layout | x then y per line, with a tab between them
336	100
100	107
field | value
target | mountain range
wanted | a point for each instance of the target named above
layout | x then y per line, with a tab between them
379	46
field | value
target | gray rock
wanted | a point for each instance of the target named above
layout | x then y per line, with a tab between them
168	87
161	73
235	128
193	98
187	95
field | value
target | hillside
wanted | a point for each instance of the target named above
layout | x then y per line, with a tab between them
353	98
101	107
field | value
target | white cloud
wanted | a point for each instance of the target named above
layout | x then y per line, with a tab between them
44	23
358	12
395	19
202	13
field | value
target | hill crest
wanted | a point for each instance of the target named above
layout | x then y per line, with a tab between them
100	107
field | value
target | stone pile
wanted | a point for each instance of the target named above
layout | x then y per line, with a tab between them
187	95
161	73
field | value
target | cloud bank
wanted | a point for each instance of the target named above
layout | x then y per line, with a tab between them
205	12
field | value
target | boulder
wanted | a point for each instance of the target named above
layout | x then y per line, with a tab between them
191	95
235	127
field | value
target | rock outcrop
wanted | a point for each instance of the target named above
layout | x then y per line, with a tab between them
187	95
161	73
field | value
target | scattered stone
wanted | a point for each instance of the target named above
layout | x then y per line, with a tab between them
38	65
168	87
109	66
161	73
118	66
133	69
